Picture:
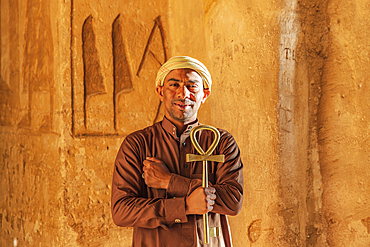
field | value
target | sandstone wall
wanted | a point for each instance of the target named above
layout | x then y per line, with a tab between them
343	121
243	48
31	119
291	83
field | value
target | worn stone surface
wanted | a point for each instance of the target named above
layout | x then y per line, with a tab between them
291	83
343	119
243	48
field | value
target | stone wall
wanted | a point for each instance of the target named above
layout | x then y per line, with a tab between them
291	83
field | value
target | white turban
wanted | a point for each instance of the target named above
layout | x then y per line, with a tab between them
184	62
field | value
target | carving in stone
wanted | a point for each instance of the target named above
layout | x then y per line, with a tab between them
38	71
289	54
121	68
157	24
94	81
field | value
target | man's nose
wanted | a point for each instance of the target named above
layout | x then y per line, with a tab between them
183	92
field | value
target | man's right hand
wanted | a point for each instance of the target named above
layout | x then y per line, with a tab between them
200	201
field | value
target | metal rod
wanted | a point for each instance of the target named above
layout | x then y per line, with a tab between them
205	216
204	156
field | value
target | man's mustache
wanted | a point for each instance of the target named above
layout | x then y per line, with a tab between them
183	101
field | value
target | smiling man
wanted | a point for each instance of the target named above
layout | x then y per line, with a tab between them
155	190
182	93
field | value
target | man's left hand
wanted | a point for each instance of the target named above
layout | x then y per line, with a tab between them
156	173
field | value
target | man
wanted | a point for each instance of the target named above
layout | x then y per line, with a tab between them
155	190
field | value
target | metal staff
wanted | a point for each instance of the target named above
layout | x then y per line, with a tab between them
205	156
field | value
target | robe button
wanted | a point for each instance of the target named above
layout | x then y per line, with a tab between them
186	165
177	220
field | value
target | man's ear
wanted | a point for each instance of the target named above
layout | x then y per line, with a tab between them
159	90
207	93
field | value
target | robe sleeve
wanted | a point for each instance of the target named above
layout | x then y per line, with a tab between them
229	178
131	206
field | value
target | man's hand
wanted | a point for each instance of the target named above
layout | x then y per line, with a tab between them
156	173
200	201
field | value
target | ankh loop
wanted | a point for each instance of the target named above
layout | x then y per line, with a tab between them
205	156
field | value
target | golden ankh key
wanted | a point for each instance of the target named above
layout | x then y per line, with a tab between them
205	156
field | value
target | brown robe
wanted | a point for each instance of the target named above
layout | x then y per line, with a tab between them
157	215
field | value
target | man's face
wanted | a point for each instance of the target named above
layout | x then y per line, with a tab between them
182	94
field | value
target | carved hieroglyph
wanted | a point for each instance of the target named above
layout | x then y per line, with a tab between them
27	91
113	89
7	25
38	71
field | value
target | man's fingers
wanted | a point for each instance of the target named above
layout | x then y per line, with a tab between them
210	202
153	159
210	190
145	169
211	197
151	163
146	163
210	193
